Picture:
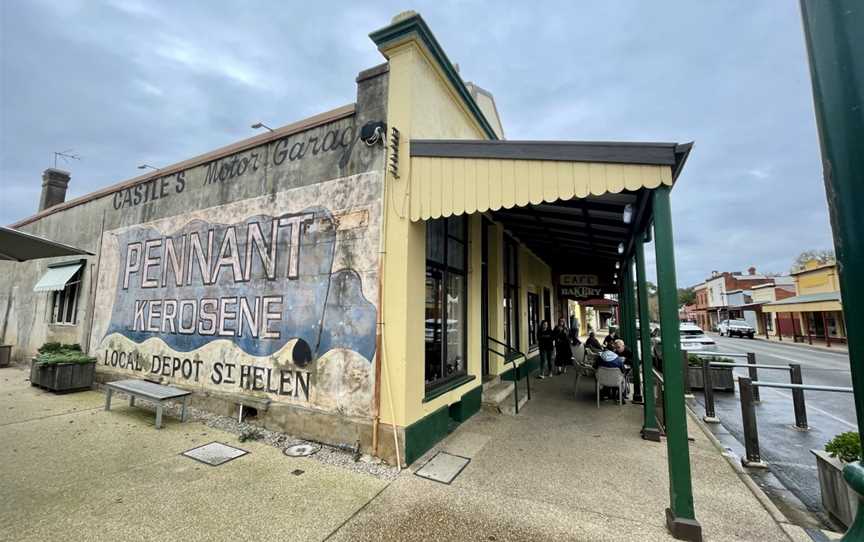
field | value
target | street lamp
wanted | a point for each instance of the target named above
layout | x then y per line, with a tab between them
628	213
148	166
259	125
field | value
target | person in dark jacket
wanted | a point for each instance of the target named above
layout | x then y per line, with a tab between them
592	342
611	338
563	353
546	342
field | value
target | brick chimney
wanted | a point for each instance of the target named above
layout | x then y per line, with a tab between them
54	184
751	271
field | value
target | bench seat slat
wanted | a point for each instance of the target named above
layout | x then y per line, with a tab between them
148	390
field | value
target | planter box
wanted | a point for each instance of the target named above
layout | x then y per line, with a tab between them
61	377
5	355
838	499
721	377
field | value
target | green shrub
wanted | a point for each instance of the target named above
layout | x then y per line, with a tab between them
62	353
846	446
696	361
50	347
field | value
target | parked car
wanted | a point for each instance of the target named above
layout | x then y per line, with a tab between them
733	328
692	338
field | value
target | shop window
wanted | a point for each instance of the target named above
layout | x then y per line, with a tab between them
64	303
446	300
533	318
511	294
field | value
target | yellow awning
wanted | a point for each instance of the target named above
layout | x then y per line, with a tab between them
821	302
462	177
822	306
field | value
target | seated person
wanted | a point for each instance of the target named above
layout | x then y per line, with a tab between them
611	338
592	342
621	349
609	358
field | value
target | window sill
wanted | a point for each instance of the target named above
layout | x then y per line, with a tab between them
61	324
447	386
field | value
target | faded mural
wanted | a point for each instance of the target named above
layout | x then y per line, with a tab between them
272	296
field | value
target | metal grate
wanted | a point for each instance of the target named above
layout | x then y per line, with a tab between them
215	453
443	468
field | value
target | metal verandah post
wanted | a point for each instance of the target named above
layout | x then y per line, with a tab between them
834	32
633	332
650	431
680	516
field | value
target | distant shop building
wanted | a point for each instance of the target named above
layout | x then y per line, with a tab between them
720	297
815	312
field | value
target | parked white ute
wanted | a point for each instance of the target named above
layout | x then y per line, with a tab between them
693	338
731	328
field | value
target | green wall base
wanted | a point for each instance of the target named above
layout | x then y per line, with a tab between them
426	432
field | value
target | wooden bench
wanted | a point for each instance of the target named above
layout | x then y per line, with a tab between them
150	391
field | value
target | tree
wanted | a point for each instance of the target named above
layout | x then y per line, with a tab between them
686	296
821	256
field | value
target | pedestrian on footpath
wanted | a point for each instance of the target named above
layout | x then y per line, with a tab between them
563	353
546	342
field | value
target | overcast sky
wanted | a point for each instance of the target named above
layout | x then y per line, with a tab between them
124	82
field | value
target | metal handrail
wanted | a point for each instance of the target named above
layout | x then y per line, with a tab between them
838	389
795	377
747	365
512	359
753	457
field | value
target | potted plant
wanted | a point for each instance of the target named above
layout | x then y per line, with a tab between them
62	367
721	377
838	499
5	354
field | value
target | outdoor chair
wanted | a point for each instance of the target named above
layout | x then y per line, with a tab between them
610	377
584	366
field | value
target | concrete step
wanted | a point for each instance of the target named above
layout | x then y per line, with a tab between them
496	393
491	381
509	408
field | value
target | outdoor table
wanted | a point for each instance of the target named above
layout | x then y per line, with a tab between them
150	391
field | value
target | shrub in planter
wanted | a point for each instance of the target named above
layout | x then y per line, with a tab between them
62	367
838	499
721	377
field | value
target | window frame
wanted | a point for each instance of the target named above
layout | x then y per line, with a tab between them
446	270
533	320
62	313
512	318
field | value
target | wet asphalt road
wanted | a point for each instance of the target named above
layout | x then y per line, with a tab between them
785	449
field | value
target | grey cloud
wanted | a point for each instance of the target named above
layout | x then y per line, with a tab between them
125	82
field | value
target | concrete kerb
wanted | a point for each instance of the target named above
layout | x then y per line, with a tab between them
757	491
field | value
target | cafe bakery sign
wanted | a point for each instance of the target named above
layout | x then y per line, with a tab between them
580	286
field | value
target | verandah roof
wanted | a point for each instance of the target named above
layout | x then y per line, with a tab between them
453	177
563	199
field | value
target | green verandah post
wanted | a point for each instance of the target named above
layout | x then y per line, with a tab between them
834	32
650	431
680	516
632	332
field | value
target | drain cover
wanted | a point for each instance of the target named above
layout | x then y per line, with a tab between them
443	467
215	453
301	450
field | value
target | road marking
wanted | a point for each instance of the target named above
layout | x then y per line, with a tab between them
817	409
778	356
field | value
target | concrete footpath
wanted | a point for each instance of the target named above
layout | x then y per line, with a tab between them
561	470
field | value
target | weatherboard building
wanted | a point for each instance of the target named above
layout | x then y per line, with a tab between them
363	275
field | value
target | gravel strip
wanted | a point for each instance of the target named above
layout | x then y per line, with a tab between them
340	456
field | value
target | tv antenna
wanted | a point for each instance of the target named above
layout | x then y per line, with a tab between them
66	156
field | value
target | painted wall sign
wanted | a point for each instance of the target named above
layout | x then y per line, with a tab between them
270	296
